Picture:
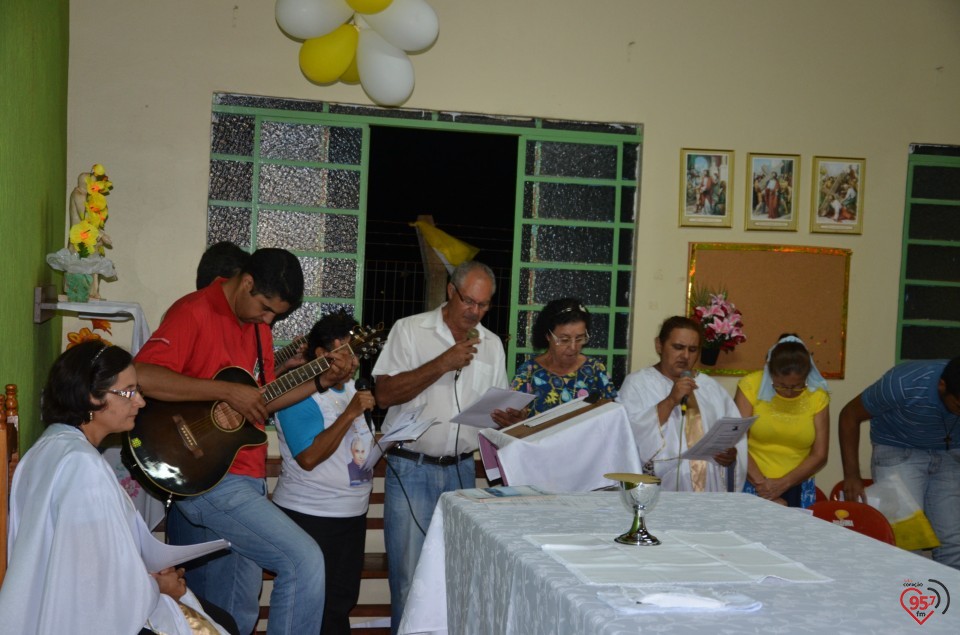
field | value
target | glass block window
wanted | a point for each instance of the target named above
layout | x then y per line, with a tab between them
292	181
929	317
569	201
574	238
228	223
292	174
231	180
548	158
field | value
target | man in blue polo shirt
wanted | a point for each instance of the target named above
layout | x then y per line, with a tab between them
914	412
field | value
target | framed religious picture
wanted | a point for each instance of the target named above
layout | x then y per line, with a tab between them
837	195
705	194
771	200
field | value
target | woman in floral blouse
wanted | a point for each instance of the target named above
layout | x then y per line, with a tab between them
562	373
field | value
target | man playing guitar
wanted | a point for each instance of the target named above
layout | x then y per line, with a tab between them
227	324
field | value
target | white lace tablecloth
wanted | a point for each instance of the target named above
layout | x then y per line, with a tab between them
479	575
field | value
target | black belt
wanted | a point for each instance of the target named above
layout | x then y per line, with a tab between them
432	460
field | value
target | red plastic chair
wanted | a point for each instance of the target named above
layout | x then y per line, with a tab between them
838	489
856	516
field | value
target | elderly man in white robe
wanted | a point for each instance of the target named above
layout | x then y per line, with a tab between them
655	399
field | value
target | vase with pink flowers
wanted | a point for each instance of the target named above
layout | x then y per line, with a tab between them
722	323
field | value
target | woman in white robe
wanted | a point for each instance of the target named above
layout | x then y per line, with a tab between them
75	563
653	399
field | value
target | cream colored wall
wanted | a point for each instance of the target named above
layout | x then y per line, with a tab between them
861	78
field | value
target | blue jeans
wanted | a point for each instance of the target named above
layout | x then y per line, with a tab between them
261	537
423	484
807	493
933	478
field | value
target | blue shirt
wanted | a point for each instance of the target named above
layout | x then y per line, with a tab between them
906	410
302	422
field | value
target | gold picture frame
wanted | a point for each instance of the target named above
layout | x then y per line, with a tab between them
706	195
771	197
837	203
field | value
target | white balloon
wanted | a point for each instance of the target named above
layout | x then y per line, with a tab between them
306	19
411	25
386	73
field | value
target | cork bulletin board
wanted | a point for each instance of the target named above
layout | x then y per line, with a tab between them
779	289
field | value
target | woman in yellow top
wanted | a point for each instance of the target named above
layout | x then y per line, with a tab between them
789	441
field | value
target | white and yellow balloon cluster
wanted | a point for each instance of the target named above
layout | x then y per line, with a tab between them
361	41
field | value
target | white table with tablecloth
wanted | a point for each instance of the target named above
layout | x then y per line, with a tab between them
479	572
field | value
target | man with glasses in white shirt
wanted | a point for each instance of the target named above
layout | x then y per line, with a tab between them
441	361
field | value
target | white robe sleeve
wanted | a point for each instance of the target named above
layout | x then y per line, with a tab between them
75	564
640	393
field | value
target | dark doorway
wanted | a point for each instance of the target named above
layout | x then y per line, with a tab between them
467	182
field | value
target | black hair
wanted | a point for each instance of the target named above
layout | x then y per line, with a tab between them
333	326
221	260
79	376
555	313
276	273
675	322
951	377
789	358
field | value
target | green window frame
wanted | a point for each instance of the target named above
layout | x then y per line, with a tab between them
578	188
928	320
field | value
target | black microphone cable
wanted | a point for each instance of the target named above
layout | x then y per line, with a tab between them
472	334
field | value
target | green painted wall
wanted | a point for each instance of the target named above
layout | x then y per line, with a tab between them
34	46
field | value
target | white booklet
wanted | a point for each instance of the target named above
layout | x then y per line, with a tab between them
723	434
157	556
409	427
478	414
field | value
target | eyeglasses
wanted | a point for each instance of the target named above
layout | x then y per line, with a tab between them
566	340
791	389
128	394
470	302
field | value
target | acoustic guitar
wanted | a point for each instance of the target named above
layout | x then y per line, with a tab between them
186	447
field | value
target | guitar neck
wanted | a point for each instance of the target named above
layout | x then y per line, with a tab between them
362	343
290	380
288	351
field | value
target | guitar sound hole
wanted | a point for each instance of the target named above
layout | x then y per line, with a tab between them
226	417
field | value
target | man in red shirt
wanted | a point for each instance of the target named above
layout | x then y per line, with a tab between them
228	324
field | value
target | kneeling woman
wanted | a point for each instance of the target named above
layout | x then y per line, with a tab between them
324	440
75	561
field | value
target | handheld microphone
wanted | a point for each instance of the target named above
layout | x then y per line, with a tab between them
683	402
472	334
363	383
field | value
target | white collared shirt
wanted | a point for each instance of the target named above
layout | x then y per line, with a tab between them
418	339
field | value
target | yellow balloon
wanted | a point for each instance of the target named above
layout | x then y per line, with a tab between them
324	59
352	74
369	6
